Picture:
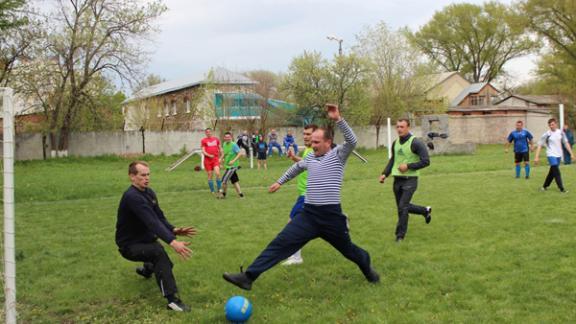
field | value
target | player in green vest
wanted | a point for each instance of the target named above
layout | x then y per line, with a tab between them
231	152
409	155
302	179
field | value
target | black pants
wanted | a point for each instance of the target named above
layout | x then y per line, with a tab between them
404	189
326	222
155	259
554	174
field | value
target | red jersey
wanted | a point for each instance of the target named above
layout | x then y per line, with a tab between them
211	145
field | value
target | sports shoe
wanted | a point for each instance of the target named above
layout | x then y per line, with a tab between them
292	261
240	279
428	215
241	195
178	306
373	276
543	189
564	191
144	272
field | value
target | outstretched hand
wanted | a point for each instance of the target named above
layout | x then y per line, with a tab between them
181	248
382	178
185	231
274	187
333	112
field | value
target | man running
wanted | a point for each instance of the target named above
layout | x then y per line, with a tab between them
140	223
322	215
409	155
553	139
231	156
211	149
522	139
302	178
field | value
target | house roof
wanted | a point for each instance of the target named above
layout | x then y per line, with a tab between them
433	80
535	99
217	75
497	108
473	88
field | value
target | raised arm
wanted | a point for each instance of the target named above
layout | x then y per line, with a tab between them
350	139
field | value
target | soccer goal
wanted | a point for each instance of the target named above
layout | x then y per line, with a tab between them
9	245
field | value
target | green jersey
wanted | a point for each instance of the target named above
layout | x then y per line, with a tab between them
302	178
403	155
230	150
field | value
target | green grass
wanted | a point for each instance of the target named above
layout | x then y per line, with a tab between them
497	250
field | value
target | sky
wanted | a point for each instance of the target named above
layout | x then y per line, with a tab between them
243	35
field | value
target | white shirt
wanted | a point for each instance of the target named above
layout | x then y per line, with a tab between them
553	142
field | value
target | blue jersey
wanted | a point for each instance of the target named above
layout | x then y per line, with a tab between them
521	139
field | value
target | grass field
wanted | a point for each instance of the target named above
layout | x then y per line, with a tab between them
497	250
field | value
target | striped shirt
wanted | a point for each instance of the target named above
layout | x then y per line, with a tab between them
326	172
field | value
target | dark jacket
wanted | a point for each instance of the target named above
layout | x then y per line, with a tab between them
140	219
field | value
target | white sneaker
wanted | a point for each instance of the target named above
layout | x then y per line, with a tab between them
292	261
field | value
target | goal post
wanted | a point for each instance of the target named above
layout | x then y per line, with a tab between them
9	242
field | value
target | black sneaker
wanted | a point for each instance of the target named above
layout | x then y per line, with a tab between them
178	306
240	279
241	195
144	272
373	276
428	215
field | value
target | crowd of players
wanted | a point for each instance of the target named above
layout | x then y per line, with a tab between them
317	213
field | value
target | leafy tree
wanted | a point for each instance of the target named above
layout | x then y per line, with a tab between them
396	74
10	14
475	40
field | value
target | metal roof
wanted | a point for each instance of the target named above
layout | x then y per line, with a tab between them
473	88
214	76
536	99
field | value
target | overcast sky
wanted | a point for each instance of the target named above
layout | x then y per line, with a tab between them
245	35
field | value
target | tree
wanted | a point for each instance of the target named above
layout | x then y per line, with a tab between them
267	88
148	81
89	41
397	71
10	14
475	40
313	81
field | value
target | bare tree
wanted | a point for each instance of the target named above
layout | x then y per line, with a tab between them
89	39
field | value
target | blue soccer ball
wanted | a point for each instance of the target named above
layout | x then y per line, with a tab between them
238	309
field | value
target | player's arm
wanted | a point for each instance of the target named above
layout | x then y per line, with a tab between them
419	148
508	142
388	168
206	153
539	148
290	174
142	209
350	139
238	153
293	156
530	140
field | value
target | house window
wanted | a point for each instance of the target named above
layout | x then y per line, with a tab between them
477	100
187	103
174	108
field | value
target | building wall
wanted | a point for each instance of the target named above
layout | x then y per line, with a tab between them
488	91
449	89
493	129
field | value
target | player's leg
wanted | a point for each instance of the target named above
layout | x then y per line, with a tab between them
155	254
236	182
557	175
209	172
334	229
406	191
298	207
217	172
425	211
224	182
517	161
527	165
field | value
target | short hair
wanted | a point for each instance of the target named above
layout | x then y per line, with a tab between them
311	126
208	129
227	133
132	168
552	120
521	122
328	134
403	120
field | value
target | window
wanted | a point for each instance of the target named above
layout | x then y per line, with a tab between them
174	108
187	103
477	100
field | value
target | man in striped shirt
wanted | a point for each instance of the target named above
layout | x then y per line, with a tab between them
322	215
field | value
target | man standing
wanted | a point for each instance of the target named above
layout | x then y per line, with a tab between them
522	146
140	223
211	149
244	142
273	143
409	155
322	215
553	139
231	155
570	138
262	148
301	180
